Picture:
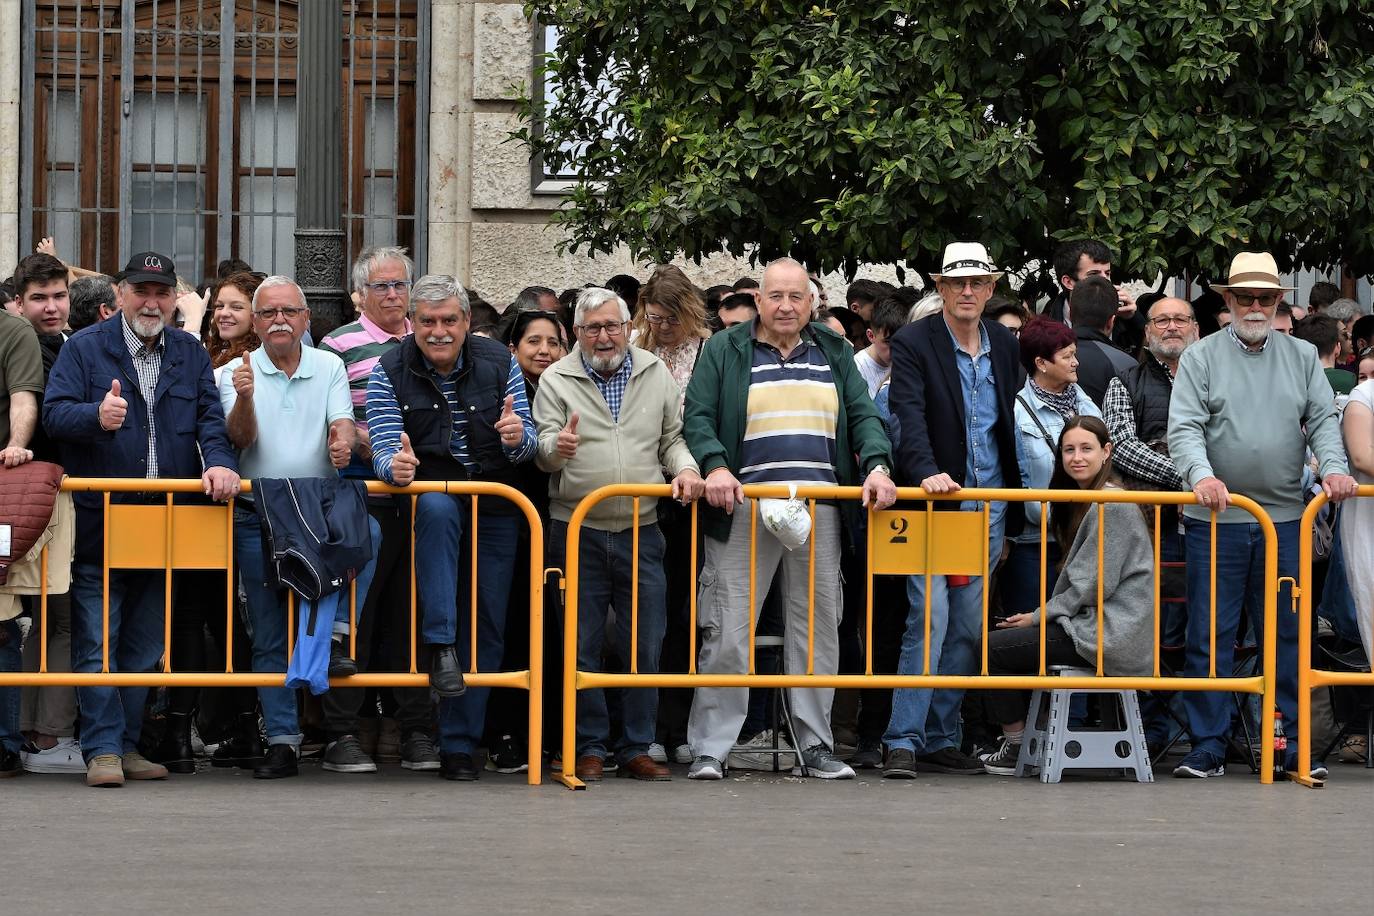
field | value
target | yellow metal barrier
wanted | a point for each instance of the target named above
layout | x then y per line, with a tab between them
174	536
921	542
1310	677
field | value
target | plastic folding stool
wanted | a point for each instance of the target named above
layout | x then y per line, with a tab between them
1052	745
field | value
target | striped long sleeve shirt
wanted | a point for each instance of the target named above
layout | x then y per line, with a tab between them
385	422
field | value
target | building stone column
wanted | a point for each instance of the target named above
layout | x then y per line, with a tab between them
11	54
321	261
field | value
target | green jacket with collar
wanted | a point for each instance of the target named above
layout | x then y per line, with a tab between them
716	409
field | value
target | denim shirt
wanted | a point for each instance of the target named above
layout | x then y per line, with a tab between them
1035	456
983	468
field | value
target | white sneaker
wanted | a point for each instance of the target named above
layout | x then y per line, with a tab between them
706	768
683	754
63	757
743	760
657	754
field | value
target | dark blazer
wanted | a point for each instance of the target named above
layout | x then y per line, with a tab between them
1099	361
927	400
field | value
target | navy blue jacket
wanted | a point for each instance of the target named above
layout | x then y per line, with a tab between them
190	420
927	400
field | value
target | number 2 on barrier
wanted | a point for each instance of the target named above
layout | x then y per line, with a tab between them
899	543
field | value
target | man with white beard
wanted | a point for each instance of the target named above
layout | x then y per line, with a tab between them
130	397
1247	404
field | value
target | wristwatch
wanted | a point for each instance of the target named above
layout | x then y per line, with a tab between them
882	469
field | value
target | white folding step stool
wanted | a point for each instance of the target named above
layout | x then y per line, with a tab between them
1051	745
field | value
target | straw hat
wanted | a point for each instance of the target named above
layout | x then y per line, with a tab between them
1253	270
966	259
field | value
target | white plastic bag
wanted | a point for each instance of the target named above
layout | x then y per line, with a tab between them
787	519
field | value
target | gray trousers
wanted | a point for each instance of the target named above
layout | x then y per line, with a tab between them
723	596
50	710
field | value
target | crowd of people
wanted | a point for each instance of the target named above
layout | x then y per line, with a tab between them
709	391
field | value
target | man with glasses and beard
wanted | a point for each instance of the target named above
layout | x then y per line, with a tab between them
1247	405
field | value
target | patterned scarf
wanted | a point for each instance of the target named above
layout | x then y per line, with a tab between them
1065	403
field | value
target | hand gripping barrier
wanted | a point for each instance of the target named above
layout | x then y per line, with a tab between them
919	542
1309	676
175	536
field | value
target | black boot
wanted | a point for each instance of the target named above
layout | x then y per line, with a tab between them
244	749
174	750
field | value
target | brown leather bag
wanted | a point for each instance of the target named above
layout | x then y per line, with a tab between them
27	495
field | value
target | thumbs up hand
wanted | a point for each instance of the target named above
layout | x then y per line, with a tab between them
113	408
404	463
567	438
243	378
509	426
340	449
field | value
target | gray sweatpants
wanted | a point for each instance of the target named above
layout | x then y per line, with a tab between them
723	595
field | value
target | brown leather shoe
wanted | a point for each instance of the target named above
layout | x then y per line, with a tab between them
589	769
644	767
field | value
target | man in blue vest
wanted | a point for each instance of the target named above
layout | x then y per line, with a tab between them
448	405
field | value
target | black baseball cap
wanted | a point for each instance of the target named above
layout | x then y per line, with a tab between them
150	267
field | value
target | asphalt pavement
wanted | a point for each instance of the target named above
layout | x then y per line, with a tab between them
402	842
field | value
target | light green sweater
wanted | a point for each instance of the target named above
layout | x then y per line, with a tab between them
1247	418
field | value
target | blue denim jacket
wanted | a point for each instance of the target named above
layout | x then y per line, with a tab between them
1036	456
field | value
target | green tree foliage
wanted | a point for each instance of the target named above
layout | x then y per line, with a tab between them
843	132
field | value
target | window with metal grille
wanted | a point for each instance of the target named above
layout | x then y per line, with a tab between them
171	125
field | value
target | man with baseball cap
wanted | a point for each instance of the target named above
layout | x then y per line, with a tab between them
130	397
954	374
1247	404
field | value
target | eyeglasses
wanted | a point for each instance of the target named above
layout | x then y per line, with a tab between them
977	284
1163	321
593	331
1265	300
671	321
290	314
382	287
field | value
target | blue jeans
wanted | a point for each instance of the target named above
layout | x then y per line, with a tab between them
925	720
1240	590
265	613
112	717
1338	604
1019	578
442	559
11	659
604	581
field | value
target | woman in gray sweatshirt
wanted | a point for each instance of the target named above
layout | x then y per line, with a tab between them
1127	579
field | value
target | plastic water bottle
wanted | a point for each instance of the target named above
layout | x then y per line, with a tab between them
1280	745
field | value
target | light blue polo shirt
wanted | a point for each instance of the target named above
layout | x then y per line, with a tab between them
293	413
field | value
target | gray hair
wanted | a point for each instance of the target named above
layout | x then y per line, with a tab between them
593	298
432	288
88	295
928	304
278	280
371	257
1343	310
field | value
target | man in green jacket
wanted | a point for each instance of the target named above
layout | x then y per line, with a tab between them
777	400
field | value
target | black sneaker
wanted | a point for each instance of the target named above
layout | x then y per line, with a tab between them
458	767
418	753
949	760
868	756
10	764
901	764
507	757
346	756
340	665
1002	762
279	763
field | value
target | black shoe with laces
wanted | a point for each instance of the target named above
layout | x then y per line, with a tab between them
279	763
345	755
507	757
340	665
445	673
458	767
418	753
868	756
949	760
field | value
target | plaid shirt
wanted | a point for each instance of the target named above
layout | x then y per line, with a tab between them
613	388
1129	454
1230	329
148	364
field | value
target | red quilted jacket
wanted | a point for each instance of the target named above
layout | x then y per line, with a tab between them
27	494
